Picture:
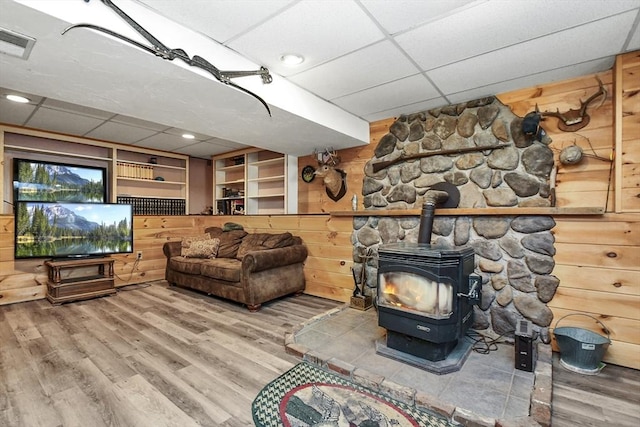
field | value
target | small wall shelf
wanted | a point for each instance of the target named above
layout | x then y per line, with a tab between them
476	212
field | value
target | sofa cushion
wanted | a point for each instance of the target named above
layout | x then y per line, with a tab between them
263	241
227	269
229	241
188	240
202	249
185	265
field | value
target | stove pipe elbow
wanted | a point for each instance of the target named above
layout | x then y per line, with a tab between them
432	198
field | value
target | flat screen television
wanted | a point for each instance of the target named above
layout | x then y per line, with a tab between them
60	182
72	230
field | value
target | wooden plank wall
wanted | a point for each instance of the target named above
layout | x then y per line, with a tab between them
597	258
327	269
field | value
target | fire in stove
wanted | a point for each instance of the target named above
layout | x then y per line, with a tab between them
417	293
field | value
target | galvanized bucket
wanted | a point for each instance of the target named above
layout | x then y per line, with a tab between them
581	350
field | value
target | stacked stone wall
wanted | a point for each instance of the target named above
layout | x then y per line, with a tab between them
514	254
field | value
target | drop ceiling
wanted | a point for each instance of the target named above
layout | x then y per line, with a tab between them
365	60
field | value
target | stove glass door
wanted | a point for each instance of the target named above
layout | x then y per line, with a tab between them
416	293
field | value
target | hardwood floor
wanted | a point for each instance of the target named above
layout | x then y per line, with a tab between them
160	356
611	398
152	356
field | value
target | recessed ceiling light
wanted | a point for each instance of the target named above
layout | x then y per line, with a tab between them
188	136
18	98
291	59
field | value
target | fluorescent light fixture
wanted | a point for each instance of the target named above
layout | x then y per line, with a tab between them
18	98
291	59
188	136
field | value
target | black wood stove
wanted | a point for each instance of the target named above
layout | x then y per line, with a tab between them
425	300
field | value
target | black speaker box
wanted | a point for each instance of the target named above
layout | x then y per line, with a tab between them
524	348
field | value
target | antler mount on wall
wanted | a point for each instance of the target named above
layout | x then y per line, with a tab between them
573	120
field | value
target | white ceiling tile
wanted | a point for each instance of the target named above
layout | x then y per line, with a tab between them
488	26
398	15
33	99
62	121
163	141
220	19
139	123
14	113
564	73
225	144
75	108
317	29
365	68
180	132
634	43
406	109
119	132
205	150
400	92
535	56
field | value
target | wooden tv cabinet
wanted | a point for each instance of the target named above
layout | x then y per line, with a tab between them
78	279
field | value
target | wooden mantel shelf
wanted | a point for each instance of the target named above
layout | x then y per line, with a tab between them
476	212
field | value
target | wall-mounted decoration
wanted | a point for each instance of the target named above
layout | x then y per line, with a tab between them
531	127
308	173
573	120
335	180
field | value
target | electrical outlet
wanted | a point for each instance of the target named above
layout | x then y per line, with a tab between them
139	255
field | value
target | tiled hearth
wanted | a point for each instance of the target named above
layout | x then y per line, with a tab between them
487	391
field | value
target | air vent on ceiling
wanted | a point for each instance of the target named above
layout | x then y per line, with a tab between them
15	44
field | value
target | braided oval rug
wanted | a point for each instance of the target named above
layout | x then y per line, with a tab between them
308	396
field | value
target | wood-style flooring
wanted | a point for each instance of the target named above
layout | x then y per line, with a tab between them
152	356
162	356
609	399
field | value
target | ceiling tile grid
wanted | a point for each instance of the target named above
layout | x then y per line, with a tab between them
319	30
371	66
486	68
365	60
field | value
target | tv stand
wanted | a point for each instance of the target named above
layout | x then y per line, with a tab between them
76	279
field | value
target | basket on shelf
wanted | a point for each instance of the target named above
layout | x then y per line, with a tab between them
581	350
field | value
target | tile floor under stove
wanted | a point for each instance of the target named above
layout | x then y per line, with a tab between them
487	384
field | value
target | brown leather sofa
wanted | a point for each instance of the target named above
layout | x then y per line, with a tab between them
249	268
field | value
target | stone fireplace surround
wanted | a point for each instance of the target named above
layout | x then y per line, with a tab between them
514	253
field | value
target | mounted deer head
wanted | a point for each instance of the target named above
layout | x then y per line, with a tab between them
334	179
573	120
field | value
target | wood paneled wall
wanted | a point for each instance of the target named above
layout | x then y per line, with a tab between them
597	260
327	269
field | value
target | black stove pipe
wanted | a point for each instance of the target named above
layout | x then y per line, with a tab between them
433	198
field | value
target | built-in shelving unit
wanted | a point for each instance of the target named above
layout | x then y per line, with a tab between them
253	181
154	182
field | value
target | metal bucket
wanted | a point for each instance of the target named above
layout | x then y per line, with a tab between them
581	350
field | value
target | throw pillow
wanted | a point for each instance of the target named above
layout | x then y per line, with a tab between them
188	240
202	249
